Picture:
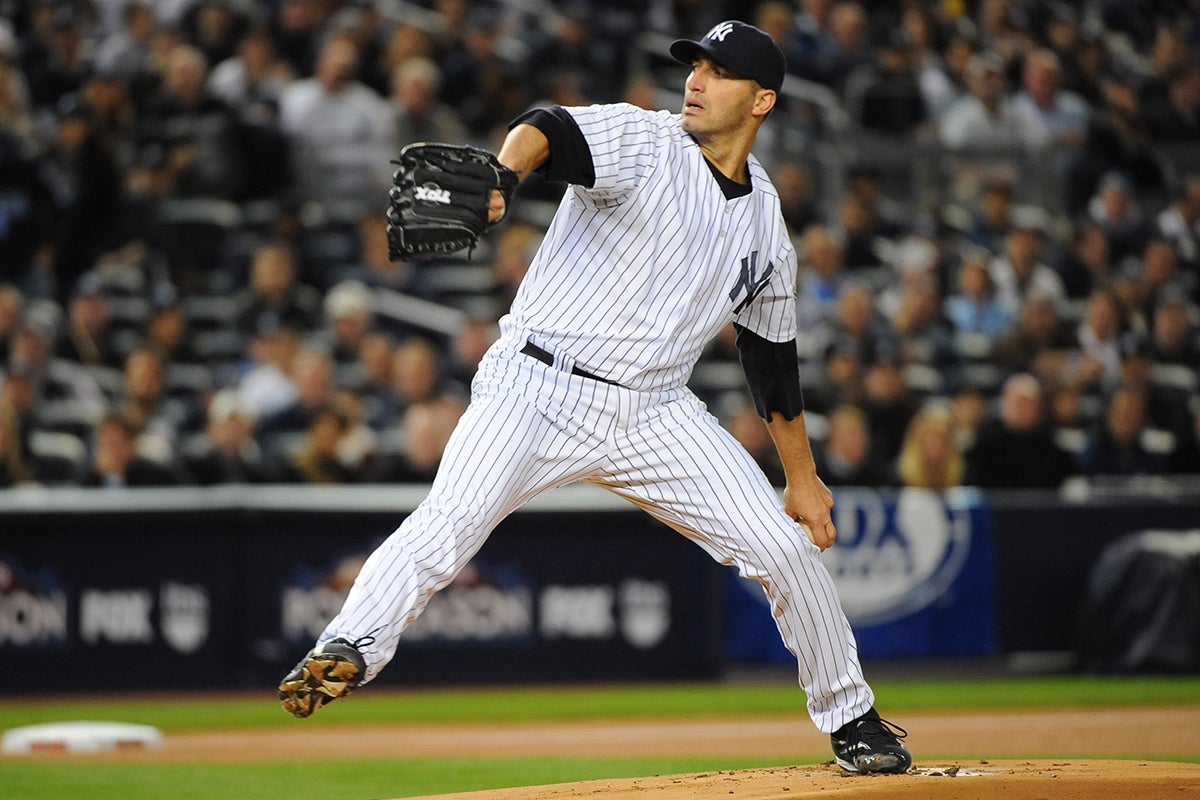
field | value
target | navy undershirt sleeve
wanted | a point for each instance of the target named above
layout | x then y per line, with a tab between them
570	158
772	373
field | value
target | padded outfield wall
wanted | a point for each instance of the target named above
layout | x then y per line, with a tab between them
197	587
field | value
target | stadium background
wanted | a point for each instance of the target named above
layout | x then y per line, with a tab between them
194	293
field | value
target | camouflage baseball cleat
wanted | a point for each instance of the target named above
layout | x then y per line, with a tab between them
329	671
871	744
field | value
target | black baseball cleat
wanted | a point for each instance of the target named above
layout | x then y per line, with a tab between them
329	671
871	744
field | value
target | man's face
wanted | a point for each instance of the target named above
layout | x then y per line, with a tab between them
715	100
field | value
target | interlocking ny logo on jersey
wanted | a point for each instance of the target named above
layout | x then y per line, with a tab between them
750	280
719	31
432	193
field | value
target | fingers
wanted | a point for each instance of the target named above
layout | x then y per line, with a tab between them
822	535
496	206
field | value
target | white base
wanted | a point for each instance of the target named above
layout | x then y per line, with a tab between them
80	737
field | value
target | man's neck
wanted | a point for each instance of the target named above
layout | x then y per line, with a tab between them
731	162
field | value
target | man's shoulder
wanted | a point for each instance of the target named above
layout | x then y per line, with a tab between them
760	179
626	112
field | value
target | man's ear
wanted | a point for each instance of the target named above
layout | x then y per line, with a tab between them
764	101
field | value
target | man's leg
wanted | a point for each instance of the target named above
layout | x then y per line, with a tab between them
687	471
502	454
696	478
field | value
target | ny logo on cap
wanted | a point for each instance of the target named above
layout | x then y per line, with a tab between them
719	31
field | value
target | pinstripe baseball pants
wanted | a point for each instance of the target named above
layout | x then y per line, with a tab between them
531	427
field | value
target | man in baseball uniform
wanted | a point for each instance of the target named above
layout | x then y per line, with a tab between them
670	230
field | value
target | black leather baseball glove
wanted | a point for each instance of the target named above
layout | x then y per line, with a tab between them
438	203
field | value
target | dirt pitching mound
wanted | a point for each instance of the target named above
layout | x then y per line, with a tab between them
1011	780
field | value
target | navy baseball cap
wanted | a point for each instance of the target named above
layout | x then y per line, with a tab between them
743	49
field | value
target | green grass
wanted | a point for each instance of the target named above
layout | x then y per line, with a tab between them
386	705
357	780
363	779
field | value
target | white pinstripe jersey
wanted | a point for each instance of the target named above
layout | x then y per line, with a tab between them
639	272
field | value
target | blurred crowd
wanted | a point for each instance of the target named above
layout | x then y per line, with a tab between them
195	286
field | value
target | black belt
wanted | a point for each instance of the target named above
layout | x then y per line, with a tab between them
547	358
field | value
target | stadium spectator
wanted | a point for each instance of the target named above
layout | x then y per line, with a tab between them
340	131
124	52
810	40
860	233
162	420
228	451
54	56
929	457
820	278
316	460
196	131
855	337
115	460
373	265
1019	271
275	291
1174	331
985	118
252	78
974	307
57	384
1016	450
216	27
373	378
845	457
82	171
885	96
924	335
349	313
1048	115
847	47
515	246
89	336
311	373
889	406
16	119
421	116
28	219
104	120
15	469
264	385
416	377
1179	223
1160	265
1175	117
1086	264
1115	209
1115	446
425	428
1117	142
166	330
890	218
1185	459
250	83
794	184
1039	342
969	408
12	304
939	82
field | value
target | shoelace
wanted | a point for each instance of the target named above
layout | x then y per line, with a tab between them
363	641
877	730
